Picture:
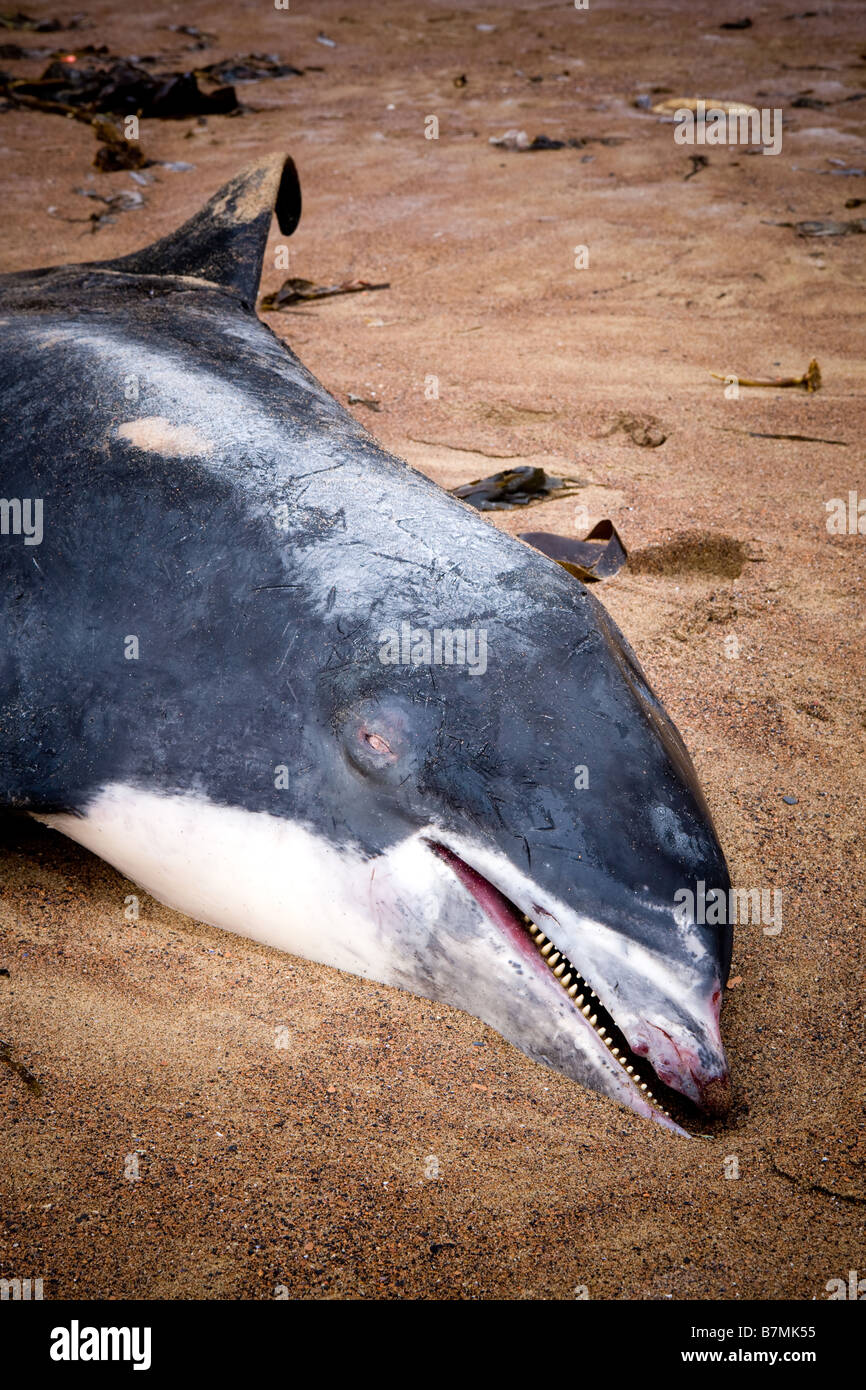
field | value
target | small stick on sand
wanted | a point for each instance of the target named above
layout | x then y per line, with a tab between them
810	380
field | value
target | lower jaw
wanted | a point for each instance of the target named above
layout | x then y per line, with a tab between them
645	1093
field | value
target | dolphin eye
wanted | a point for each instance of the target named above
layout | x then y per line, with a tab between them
378	738
374	741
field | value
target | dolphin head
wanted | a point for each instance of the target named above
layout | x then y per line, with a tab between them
530	821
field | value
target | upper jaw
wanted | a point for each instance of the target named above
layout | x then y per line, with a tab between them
671	1037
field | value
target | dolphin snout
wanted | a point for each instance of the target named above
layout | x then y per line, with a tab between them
698	1070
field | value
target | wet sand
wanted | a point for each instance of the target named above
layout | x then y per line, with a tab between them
313	1167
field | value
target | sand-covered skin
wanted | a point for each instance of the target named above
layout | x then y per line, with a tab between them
312	1166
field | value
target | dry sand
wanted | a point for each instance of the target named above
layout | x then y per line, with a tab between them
309	1166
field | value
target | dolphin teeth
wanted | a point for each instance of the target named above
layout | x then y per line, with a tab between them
573	983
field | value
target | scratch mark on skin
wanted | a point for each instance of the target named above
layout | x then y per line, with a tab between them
285	659
154	434
394	559
314	473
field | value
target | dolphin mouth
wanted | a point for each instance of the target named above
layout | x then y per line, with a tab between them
644	1091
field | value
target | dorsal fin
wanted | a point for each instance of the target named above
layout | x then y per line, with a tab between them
225	241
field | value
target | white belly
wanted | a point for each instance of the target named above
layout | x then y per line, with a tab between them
250	872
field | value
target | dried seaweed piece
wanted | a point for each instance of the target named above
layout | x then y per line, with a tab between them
13	52
600	555
192	32
123	88
825	227
828	228
795	438
252	68
115	151
127	200
299	291
810	379
514	487
15	19
544	142
519	140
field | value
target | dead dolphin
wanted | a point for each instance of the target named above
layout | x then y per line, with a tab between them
294	689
